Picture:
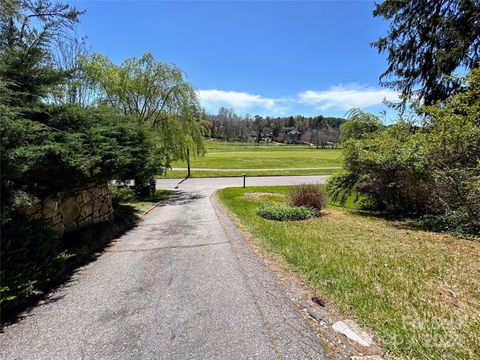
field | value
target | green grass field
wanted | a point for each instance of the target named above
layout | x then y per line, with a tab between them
418	290
180	174
254	160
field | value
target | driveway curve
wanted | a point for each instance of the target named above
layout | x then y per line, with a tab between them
182	284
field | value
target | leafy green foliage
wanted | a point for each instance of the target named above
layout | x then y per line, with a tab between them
422	170
30	255
140	87
78	146
360	125
458	222
389	276
121	194
274	211
389	168
46	148
62	148
308	195
155	93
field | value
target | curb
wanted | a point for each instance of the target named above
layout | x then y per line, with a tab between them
150	209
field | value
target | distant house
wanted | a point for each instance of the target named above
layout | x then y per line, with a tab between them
292	137
266	137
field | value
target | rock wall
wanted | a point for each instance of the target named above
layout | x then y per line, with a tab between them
68	211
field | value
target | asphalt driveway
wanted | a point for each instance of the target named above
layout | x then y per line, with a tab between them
183	284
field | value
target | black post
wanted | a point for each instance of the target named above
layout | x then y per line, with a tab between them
188	162
244	176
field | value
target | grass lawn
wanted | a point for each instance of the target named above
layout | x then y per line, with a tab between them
143	204
419	291
250	156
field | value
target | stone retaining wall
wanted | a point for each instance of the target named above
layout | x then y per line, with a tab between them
68	211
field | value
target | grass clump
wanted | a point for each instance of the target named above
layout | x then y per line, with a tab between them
312	196
272	211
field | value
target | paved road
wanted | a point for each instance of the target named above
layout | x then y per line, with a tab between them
181	285
272	169
208	185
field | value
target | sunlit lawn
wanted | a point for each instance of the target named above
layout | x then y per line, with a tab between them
177	174
419	291
223	155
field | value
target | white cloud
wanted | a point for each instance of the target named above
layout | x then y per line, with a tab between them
345	97
241	101
336	98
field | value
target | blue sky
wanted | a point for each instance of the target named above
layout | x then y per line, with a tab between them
260	57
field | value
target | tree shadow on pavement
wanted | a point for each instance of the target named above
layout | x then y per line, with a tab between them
83	247
179	197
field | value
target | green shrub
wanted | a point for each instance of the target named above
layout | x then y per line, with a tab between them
121	194
429	170
30	255
312	196
389	169
360	125
272	211
456	222
74	146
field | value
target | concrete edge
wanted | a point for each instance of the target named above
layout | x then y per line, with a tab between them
150	209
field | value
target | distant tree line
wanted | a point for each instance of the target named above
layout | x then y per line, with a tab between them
318	130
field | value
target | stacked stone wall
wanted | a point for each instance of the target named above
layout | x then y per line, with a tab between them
68	211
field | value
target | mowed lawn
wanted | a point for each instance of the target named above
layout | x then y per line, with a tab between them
252	158
419	291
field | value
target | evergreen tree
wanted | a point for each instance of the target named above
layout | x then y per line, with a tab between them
27	30
428	40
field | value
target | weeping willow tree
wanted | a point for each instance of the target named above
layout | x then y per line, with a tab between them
153	93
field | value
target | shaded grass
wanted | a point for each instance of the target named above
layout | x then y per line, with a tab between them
141	205
228	155
419	291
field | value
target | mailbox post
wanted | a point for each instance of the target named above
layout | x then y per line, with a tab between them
244	176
